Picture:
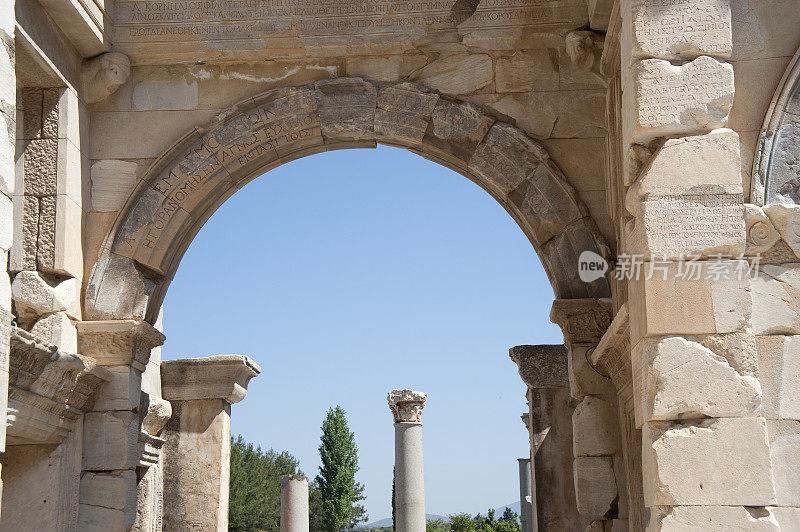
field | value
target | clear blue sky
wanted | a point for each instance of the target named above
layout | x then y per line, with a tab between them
349	273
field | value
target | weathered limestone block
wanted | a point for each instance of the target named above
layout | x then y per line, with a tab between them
558	257
118	342
676	30
776	299
675	302
57	329
7	215
23	249
110	440
786	219
595	428
376	68
670	100
784	450
157	413
34	295
595	485
117	289
455	131
123	392
761	234
112	182
46	239
526	71
403	113
599	14
583	378
712	519
676	374
457	74
346	109
105	491
707	462
779	373
40	161
584	49
506	157
541	366
218	376
695	184
102	76
788	518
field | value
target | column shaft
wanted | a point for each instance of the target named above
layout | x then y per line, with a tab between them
409	482
526	509
294	503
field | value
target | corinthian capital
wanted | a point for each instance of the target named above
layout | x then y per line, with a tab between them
407	405
582	320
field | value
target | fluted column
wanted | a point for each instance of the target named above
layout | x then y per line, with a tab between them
294	503
406	407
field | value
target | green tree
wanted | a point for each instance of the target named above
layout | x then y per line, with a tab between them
461	522
358	514
435	526
336	479
255	486
508	515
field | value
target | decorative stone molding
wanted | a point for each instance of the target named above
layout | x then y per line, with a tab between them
585	49
215	377
149	449
102	76
526	420
157	412
761	234
407	405
613	353
541	366
776	175
118	342
582	320
47	390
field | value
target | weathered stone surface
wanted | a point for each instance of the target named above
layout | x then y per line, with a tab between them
101	76
694	183
506	157
595	428
530	70
158	413
595	485
776	299
676	373
167	92
346	108
677	30
34	295
377	68
788	518
46	240
23	249
406	405
118	342
541	366
403	114
455	131
110	490
712	519
112	182
215	377
549	203
41	164
583	378
761	234
784	449
786	219
123	392
57	329
729	459
670	100
457	74
117	289
779	374
110	440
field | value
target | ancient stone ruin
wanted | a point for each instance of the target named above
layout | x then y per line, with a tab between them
648	149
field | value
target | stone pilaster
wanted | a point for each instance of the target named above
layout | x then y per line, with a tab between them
294	503
114	445
525	498
409	502
544	369
197	437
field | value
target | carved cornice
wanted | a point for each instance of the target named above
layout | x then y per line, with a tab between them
541	366
47	390
583	321
149	449
118	342
215	377
613	354
407	405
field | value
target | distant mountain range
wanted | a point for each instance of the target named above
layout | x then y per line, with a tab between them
515	507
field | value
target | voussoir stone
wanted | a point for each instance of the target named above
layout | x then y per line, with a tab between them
707	462
506	157
347	108
403	113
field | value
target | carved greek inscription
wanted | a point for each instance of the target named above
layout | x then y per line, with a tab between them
694	222
670	27
220	20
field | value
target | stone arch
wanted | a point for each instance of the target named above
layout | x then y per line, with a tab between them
776	166
182	188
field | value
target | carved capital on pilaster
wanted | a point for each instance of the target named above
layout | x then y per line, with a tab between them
613	353
407	405
215	377
118	342
582	320
541	366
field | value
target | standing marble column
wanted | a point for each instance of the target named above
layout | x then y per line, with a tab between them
525	518
406	407
294	503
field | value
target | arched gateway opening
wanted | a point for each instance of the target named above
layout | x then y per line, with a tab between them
201	170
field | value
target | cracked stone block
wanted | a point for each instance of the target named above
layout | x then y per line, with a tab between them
23	249
40	161
786	220
676	373
695	183
110	440
776	299
788	518
115	490
595	429
677	30
457	74
34	296
707	462
712	519
112	182
346	108
595	485
57	329
526	71
46	239
784	450
675	100
779	373
122	392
